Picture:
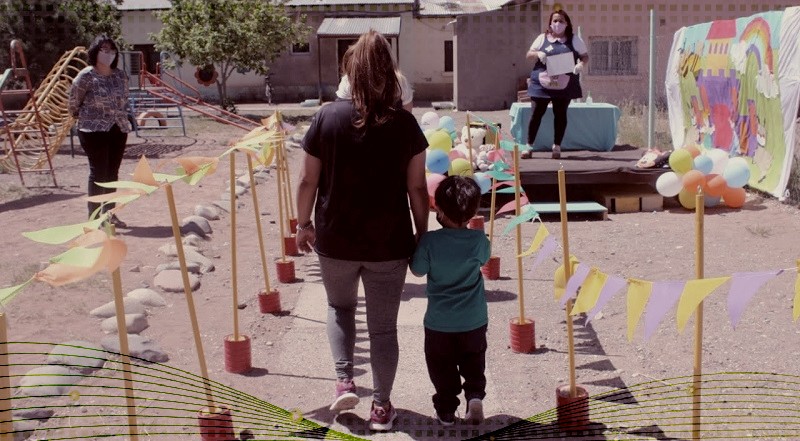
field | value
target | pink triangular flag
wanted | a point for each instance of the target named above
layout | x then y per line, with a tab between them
548	247
663	297
613	285
743	288
575	282
512	206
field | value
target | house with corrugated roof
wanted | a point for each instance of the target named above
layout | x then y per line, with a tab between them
471	52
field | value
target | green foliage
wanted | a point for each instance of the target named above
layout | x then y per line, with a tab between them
48	28
244	35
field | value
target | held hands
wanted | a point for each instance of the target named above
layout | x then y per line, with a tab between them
578	68
542	57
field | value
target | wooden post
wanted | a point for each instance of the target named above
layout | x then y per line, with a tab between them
282	146
518	204
469	148
562	196
6	425
493	201
258	224
124	349
234	281
698	326
187	291
281	224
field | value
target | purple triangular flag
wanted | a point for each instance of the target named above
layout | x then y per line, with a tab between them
613	285
743	288
548	246
574	283
663	297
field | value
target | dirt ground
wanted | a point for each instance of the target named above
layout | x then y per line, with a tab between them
654	246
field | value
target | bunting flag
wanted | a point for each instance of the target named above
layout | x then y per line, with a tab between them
512	206
693	293
589	291
662	298
574	282
548	247
637	297
559	281
528	213
743	288
541	234
613	285
796	311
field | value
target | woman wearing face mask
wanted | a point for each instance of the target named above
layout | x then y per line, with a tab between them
99	100
557	39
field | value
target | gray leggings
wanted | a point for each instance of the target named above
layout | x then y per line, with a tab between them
383	286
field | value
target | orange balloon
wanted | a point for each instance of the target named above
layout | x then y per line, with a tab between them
734	197
693	179
693	150
715	185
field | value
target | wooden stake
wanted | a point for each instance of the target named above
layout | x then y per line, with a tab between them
492	203
698	325
6	425
562	197
187	291
469	147
288	180
518	203
119	306
281	224
258	224
234	281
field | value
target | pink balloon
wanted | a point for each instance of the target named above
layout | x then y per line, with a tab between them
454	154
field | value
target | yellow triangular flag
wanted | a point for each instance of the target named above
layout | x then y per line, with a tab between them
638	295
541	235
559	281
590	291
693	293
796	311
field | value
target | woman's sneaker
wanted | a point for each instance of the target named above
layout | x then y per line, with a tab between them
474	411
382	418
446	419
346	397
556	151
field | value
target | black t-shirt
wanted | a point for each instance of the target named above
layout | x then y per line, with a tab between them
362	211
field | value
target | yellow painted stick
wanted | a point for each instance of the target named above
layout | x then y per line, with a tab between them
124	349
258	224
469	148
281	224
288	181
518	205
187	291
698	325
234	281
562	196
6	426
492	203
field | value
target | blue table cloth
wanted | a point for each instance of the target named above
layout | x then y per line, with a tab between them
590	126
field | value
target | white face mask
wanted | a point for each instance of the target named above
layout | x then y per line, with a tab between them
106	58
558	28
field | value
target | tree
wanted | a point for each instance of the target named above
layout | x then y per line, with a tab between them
48	28
230	35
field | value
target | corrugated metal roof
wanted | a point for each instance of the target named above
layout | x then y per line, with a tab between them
354	26
144	5
457	7
347	2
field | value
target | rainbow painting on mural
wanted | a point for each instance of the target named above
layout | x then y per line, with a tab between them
734	85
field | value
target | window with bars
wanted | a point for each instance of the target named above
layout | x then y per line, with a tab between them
613	55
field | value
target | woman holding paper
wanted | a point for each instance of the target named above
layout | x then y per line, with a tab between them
560	56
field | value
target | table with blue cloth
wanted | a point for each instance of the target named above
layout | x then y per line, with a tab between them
590	126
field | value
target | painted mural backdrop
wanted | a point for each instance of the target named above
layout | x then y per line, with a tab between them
735	85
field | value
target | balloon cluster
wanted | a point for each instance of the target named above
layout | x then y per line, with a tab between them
441	159
720	177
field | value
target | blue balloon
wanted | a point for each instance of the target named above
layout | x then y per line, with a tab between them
484	181
711	201
736	173
703	164
447	123
437	161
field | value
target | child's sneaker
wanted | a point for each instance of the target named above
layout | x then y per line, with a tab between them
446	419
474	411
346	397
382	418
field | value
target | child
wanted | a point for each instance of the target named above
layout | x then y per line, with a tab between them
456	318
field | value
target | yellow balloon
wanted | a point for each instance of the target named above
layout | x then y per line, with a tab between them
687	199
461	167
440	140
681	161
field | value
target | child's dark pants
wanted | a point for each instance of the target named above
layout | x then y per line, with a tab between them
450	356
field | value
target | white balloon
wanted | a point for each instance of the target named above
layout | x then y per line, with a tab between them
430	120
669	184
720	159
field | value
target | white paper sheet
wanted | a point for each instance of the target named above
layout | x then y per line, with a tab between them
560	64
